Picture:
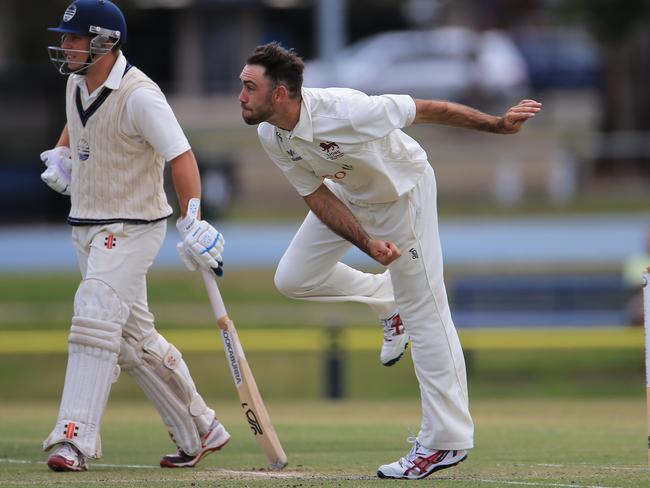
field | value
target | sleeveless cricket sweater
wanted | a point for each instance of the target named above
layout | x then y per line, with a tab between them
114	178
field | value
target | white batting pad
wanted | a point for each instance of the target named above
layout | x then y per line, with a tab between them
160	371
98	301
93	345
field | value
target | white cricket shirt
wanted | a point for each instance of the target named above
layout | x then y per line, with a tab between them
351	139
147	117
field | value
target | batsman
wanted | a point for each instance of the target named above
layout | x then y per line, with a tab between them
109	159
370	185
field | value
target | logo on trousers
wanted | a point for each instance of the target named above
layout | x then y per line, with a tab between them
71	429
110	241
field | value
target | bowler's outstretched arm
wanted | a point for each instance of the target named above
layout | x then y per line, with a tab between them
457	115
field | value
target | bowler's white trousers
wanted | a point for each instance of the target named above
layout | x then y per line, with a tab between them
310	270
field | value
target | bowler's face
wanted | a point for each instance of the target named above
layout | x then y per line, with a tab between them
256	95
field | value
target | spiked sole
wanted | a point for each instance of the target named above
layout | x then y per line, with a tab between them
394	360
60	464
164	463
437	468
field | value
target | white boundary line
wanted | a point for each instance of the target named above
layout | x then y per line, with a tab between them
262	474
532	483
315	476
600	466
27	461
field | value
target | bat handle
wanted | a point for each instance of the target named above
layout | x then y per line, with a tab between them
214	294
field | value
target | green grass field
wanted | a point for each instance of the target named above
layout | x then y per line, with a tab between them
519	442
552	408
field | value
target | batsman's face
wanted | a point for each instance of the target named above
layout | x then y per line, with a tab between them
76	50
256	96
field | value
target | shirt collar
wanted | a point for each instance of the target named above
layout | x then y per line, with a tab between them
117	72
304	129
112	81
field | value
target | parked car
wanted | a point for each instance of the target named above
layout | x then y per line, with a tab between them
453	63
561	58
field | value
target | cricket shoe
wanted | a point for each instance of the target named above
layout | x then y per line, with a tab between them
67	458
215	439
395	340
420	462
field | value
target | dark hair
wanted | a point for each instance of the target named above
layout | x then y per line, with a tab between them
282	66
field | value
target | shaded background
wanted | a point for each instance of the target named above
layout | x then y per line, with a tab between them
587	61
545	229
585	157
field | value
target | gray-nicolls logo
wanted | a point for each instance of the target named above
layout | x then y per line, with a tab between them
232	358
414	253
293	155
252	420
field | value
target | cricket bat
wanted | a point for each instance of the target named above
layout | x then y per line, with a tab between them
251	401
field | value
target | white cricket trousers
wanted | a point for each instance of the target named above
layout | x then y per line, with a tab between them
120	255
310	270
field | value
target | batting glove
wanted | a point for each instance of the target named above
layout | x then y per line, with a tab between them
59	168
201	246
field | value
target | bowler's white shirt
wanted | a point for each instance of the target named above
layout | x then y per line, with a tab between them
352	139
147	116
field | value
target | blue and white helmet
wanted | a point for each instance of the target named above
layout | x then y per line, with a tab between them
101	20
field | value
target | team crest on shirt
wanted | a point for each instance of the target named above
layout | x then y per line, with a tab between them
332	150
83	150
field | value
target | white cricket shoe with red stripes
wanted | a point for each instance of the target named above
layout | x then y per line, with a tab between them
395	340
215	439
420	462
67	458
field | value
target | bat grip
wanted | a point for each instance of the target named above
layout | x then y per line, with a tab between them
214	295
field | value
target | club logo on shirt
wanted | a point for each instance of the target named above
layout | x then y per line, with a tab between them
83	150
414	253
331	150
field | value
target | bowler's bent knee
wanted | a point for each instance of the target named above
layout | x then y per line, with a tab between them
291	282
